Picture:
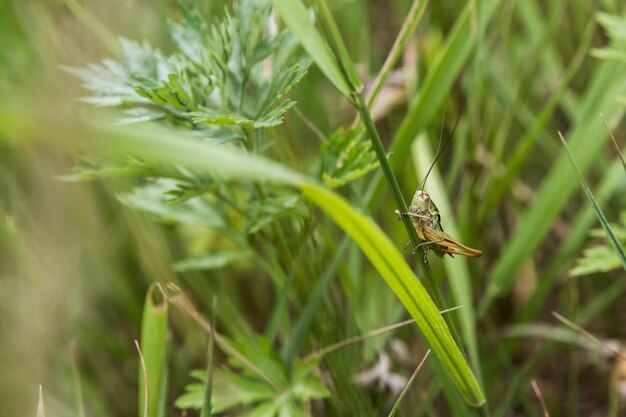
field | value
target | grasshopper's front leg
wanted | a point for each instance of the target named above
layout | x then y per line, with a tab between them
411	215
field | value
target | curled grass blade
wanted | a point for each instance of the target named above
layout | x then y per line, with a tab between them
154	342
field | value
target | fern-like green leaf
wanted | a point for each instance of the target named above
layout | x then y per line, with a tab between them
346	156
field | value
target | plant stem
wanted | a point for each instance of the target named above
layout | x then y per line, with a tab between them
377	144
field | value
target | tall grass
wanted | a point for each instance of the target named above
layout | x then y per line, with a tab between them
288	222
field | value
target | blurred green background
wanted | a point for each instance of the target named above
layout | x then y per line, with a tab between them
75	263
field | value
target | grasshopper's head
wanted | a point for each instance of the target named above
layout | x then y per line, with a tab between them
421	200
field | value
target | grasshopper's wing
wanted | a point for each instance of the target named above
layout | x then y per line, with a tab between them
444	243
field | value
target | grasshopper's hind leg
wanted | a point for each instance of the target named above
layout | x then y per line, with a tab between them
425	245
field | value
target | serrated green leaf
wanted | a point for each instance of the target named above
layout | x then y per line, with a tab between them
214	78
601	258
596	259
346	156
153	199
113	82
231	389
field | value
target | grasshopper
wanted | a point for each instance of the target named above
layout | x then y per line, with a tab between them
427	222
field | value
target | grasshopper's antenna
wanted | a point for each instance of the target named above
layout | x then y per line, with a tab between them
440	147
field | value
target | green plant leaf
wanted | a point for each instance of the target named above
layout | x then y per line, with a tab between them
160	145
295	16
457	269
346	156
213	78
338	46
153	199
293	389
601	258
608	83
154	347
617	247
392	266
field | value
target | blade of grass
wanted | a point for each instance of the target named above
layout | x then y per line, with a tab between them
165	147
338	47
393	268
408	27
440	77
525	145
609	81
154	342
208	386
394	410
456	268
586	314
599	213
611	183
295	16
146	383
619	151
303	324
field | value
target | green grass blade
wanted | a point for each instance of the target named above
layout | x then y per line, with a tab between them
396	406
168	146
608	83
154	341
523	148
599	213
304	321
295	16
611	183
338	46
619	151
393	268
441	76
163	147
408	27
206	410
456	268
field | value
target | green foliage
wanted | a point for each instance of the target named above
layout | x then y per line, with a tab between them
235	386
154	349
614	26
601	258
207	111
218	75
346	156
